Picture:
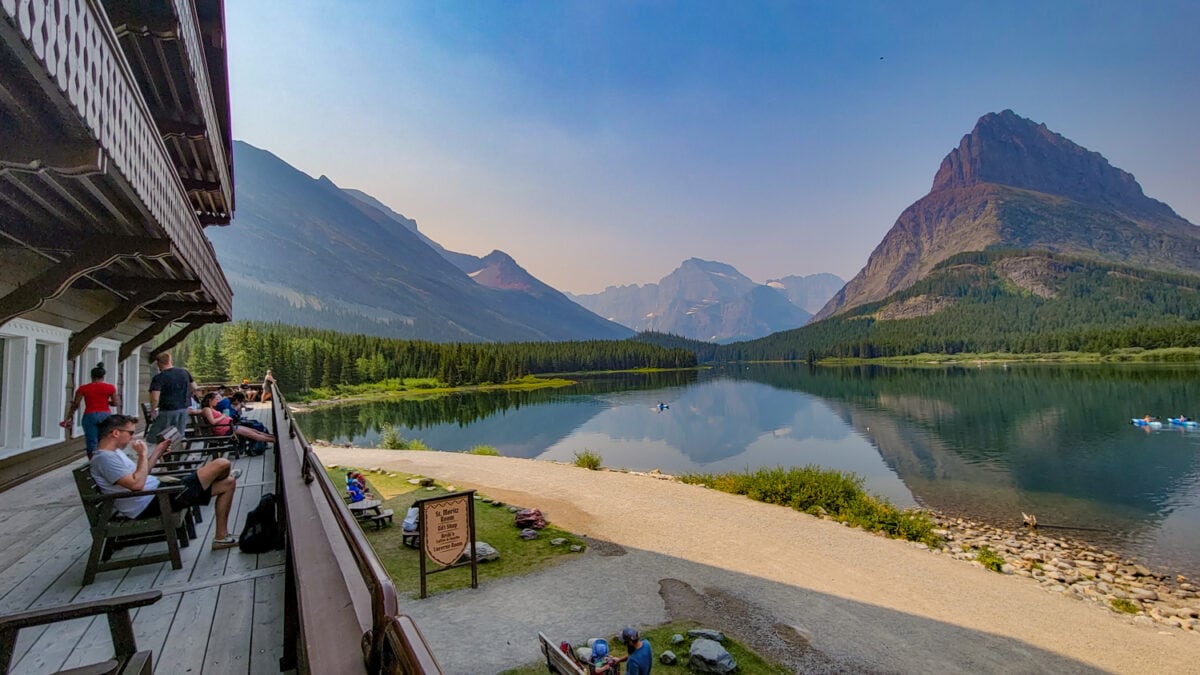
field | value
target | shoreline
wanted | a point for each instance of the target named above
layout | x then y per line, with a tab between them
851	601
1060	565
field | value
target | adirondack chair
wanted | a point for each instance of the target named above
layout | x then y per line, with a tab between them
126	660
112	531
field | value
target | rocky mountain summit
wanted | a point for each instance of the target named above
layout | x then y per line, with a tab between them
712	301
1014	183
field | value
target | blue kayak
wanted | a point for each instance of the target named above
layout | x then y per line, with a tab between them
1139	422
1182	422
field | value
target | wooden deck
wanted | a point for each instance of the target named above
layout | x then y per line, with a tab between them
221	613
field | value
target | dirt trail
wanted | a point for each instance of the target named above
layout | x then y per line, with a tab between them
829	598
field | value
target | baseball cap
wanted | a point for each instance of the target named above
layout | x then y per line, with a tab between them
629	634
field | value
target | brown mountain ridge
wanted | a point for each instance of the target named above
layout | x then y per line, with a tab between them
1014	184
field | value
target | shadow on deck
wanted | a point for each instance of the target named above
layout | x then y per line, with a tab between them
223	612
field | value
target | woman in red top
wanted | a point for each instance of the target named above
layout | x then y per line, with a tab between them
99	397
222	424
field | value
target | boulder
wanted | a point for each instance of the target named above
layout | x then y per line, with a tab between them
484	552
708	656
668	658
707	634
531	518
529	534
557	541
676	639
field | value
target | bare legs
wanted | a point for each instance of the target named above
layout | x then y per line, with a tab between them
247	432
216	474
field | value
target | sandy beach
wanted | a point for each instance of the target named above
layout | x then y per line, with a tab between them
825	597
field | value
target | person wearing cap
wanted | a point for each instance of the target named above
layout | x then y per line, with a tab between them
640	657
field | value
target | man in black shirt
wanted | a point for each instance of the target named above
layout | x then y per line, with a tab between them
171	393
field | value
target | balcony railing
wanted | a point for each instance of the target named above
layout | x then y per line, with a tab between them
391	642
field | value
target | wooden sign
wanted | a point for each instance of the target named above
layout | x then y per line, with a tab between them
447	528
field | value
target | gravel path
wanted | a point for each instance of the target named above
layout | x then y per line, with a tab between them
819	596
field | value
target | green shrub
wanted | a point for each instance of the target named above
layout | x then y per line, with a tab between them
415	444
1125	606
391	439
990	559
484	450
823	491
588	460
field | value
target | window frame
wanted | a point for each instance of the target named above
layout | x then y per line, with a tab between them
16	415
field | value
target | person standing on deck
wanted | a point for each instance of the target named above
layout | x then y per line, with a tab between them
98	397
171	393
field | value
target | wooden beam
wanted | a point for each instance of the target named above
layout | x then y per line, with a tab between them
96	253
184	332
143	337
115	317
175	306
146	285
207	219
195	184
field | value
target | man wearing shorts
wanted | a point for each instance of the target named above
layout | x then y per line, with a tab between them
171	392
115	472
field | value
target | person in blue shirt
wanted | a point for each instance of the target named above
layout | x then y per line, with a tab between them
640	657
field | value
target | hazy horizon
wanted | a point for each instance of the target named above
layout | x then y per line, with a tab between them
603	144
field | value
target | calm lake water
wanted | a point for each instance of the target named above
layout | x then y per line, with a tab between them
983	443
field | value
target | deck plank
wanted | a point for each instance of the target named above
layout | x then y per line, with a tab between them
152	623
188	636
265	646
229	641
53	647
22	582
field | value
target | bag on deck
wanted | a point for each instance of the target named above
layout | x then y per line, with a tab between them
262	532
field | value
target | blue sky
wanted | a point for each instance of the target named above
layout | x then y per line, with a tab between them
603	143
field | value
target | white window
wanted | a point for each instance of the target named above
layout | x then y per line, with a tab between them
131	386
33	379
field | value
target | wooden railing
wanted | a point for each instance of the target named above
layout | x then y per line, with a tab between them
392	643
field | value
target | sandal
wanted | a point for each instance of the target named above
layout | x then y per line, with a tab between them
228	542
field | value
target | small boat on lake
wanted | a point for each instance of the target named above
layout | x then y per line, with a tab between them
1151	424
1183	422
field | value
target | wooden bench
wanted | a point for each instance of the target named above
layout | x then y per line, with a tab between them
126	660
111	531
383	518
556	660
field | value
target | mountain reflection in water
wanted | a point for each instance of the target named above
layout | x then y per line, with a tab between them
984	443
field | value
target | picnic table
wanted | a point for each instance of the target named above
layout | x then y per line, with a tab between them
361	509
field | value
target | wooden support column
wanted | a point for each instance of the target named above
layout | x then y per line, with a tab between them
94	254
149	290
184	332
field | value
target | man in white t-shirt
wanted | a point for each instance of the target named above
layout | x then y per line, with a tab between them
115	471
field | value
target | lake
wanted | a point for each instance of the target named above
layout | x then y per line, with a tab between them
985	443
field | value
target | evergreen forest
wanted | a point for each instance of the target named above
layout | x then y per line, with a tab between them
303	359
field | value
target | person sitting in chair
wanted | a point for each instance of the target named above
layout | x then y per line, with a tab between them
223	425
115	472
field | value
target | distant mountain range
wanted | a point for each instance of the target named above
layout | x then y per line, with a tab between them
305	252
712	301
1027	242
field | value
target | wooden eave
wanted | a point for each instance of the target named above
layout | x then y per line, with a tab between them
81	157
168	51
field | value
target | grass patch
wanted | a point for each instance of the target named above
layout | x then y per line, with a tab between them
588	460
990	559
749	663
493	524
1124	606
484	450
416	388
823	491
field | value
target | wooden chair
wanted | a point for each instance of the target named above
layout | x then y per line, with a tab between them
111	531
556	660
126	660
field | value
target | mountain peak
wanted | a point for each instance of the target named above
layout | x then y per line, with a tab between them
1007	149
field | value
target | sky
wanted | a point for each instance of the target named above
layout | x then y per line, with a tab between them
603	142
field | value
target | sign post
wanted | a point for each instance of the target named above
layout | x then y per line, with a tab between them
447	526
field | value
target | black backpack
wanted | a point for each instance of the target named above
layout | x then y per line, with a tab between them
262	532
